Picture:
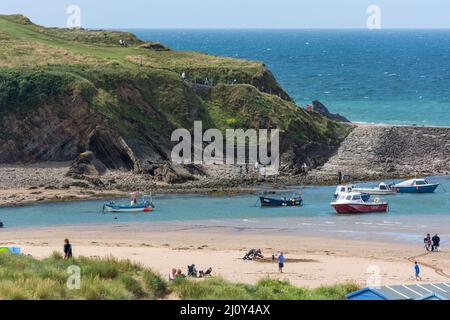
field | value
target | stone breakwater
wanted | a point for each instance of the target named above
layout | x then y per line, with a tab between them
373	152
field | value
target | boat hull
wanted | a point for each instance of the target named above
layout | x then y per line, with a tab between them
416	189
360	207
126	209
272	202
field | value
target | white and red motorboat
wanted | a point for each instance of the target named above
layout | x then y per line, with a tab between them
355	202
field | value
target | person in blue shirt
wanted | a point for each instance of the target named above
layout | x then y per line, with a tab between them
417	270
281	262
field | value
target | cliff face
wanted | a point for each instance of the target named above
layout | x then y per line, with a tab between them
377	152
63	93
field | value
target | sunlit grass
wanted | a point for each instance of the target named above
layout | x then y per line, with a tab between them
25	278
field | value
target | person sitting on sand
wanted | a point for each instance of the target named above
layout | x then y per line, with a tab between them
206	273
417	271
67	249
281	262
179	275
192	271
172	274
258	255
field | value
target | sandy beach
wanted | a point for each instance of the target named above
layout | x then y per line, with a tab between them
311	262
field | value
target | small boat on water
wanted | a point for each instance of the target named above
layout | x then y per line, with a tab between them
348	188
382	189
144	204
415	186
353	202
286	198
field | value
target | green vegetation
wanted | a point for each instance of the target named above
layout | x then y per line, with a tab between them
23	277
266	289
137	92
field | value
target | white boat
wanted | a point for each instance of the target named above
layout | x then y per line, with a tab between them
343	189
382	189
353	202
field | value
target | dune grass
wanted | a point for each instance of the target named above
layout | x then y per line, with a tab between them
265	289
25	278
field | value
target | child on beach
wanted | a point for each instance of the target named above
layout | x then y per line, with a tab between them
281	262
417	270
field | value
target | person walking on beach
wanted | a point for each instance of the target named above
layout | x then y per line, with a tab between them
281	262
67	249
417	271
427	242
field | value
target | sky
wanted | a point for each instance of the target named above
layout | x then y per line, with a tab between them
234	13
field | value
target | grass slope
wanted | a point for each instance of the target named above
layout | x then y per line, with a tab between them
23	277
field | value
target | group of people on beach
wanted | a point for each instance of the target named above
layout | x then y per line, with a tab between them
432	243
192	273
256	254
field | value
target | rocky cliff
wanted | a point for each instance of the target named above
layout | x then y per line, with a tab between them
66	92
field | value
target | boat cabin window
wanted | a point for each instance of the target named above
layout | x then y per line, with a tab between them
383	187
420	182
349	198
343	189
357	197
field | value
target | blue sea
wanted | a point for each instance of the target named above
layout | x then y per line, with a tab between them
382	76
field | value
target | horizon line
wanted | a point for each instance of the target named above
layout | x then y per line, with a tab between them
275	28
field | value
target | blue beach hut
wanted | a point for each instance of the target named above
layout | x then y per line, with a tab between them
429	291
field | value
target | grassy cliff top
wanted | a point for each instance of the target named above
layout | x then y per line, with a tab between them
23	43
137	92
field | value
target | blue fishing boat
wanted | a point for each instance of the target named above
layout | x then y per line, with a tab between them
286	198
415	186
145	204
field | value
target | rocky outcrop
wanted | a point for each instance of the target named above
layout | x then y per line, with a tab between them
321	109
155	46
381	151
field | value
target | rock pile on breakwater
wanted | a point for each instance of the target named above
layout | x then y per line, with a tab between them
388	151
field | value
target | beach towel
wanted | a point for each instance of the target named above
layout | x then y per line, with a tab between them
13	250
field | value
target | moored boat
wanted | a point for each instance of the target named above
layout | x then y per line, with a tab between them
285	198
382	189
415	186
353	202
145	204
348	188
